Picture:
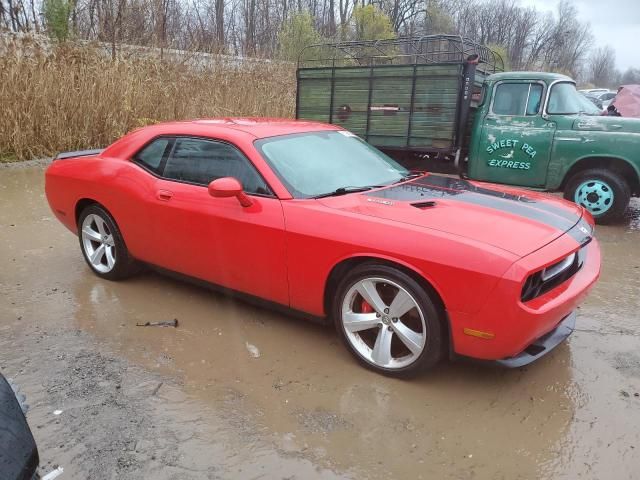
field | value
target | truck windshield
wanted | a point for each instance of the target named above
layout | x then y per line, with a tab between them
318	163
565	100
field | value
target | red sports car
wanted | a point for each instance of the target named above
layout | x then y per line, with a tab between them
410	266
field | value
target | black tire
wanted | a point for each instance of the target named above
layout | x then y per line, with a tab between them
614	181
125	265
433	348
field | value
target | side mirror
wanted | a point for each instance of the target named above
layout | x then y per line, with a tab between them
229	187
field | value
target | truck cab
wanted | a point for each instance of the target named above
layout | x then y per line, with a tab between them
443	103
534	129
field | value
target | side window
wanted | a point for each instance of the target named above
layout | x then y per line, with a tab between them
202	161
151	155
478	95
517	99
535	99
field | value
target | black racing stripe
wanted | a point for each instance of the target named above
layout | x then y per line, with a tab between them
582	232
459	184
433	187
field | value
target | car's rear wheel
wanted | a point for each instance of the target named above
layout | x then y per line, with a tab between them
102	245
604	193
388	321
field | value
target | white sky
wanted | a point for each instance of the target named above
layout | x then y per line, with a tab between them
613	22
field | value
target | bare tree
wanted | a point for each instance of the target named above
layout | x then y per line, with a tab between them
601	66
532	40
630	76
219	4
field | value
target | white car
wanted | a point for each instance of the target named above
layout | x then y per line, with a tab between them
594	91
606	98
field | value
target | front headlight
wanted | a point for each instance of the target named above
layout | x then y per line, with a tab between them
550	277
557	268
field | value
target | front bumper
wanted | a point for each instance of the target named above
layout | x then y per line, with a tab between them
516	330
543	345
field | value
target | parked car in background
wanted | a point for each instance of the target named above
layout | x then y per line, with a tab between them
606	98
593	98
443	101
593	91
411	267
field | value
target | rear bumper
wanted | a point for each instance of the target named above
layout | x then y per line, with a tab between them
543	345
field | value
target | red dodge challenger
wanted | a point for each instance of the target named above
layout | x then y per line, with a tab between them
411	267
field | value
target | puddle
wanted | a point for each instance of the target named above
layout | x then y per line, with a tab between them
564	417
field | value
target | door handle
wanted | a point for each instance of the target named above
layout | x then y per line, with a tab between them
164	195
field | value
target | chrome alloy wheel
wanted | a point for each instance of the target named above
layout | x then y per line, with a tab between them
97	242
383	323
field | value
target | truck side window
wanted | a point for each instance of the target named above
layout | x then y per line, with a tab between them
478	95
535	99
517	99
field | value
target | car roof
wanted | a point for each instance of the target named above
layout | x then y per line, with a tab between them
254	126
544	76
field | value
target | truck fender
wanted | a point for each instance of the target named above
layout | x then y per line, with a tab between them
621	165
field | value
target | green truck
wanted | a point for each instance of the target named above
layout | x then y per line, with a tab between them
444	100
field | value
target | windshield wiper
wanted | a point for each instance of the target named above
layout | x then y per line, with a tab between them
344	191
409	176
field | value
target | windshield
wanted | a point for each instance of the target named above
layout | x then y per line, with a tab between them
318	163
565	100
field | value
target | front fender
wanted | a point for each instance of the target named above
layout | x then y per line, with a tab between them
571	147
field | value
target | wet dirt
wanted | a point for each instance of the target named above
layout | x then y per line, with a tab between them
236	391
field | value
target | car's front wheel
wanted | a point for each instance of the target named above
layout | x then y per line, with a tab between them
387	320
102	244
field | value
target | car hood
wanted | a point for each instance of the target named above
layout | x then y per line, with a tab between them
607	124
516	221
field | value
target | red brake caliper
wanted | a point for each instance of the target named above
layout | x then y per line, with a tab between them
365	307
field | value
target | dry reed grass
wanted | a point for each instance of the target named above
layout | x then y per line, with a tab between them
73	97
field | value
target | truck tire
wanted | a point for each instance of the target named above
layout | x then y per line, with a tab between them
604	193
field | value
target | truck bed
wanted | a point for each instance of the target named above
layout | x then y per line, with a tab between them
390	106
408	94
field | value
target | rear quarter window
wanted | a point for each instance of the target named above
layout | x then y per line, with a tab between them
151	156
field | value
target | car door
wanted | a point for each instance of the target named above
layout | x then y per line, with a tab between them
515	140
217	239
135	185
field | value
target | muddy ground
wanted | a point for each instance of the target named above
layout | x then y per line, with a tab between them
240	392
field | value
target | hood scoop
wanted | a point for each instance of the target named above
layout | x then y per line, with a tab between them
424	205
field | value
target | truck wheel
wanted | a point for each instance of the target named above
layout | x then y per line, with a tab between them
604	193
388	321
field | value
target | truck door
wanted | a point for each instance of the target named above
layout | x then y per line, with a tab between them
515	140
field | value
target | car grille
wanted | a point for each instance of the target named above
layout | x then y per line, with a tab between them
550	277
